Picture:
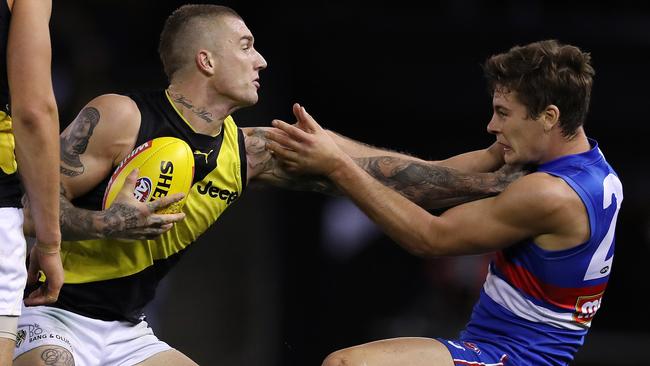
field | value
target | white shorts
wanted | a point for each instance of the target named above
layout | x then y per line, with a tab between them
92	342
13	271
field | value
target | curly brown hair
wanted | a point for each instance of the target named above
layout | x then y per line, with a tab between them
545	73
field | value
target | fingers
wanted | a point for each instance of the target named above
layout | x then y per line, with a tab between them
132	178
307	121
292	131
282	138
158	220
41	296
129	183
149	233
165	201
48	291
287	155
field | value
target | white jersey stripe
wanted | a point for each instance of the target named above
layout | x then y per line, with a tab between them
510	298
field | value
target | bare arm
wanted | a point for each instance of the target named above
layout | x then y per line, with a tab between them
99	138
34	113
476	227
35	127
264	168
485	160
428	184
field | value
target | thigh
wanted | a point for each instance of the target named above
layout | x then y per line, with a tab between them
393	352
6	350
170	357
130	344
45	356
44	333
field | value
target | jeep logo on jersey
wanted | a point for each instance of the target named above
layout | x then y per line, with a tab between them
214	192
142	189
586	308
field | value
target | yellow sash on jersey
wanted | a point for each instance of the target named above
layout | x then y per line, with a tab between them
7	145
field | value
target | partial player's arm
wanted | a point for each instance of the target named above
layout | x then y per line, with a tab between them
264	168
428	184
481	226
485	160
35	127
103	133
425	183
476	227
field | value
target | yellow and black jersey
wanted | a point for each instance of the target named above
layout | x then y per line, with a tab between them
114	279
10	191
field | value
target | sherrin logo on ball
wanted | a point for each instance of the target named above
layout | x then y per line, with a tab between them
166	166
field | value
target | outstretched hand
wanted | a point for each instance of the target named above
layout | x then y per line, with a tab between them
304	147
128	218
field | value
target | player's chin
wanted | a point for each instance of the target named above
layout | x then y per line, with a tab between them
511	158
249	100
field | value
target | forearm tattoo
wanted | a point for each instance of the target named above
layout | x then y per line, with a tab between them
80	224
428	185
186	103
271	171
57	357
75	141
76	223
118	218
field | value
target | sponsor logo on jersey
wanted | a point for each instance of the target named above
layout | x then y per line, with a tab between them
205	155
215	192
164	180
586	308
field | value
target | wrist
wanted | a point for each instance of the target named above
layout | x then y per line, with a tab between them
48	249
341	169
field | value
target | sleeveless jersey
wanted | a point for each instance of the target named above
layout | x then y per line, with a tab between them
112	279
537	305
10	191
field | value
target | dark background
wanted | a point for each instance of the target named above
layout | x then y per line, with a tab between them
284	278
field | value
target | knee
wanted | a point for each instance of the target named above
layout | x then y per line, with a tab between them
337	358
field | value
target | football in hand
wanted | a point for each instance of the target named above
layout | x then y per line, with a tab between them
166	166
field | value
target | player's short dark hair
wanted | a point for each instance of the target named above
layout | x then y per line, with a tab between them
175	47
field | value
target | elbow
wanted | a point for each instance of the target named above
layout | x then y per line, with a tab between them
427	251
434	241
35	115
426	247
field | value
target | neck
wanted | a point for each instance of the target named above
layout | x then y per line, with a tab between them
202	112
578	143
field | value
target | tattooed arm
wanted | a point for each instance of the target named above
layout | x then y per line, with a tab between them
431	185
264	168
485	160
103	133
127	218
427	184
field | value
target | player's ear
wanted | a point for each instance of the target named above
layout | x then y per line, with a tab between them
550	117
205	62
